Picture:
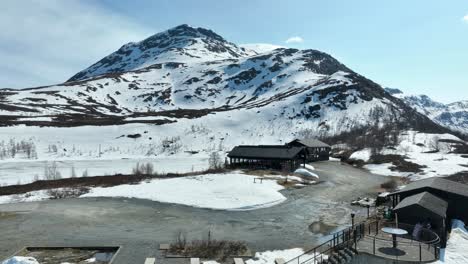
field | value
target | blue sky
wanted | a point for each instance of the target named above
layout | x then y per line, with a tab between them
417	46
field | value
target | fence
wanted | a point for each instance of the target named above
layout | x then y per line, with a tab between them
424	249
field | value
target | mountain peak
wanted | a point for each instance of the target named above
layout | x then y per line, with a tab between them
180	44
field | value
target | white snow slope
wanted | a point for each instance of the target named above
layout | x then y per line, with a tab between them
457	245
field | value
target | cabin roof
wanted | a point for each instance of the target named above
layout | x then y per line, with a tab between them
311	143
436	184
265	152
427	201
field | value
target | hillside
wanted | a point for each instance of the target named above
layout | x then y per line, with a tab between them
453	115
188	72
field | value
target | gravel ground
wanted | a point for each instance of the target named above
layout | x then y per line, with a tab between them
139	226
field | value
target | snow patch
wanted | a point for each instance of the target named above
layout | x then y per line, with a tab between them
306	173
457	245
229	191
20	260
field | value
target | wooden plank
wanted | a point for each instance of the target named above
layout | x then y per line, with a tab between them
194	261
238	261
150	261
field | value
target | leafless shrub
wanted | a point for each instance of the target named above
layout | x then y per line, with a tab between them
67	192
51	171
143	169
207	248
390	184
215	161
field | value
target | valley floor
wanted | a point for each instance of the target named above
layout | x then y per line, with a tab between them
141	225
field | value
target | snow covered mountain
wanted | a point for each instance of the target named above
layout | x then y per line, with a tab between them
180	44
193	73
453	115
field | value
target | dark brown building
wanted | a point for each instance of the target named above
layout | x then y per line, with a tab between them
278	157
435	199
316	150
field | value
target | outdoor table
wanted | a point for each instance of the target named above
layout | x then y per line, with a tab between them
394	232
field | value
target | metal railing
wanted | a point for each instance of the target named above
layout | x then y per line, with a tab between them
346	238
427	241
349	238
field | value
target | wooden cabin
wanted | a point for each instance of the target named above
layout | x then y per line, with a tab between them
277	157
436	199
316	150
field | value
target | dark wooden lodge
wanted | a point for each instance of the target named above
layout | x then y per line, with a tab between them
316	150
278	157
435	199
423	207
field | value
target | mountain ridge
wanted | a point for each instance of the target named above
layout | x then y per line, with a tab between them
309	88
452	115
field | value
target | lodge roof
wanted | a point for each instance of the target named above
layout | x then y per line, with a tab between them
427	201
266	152
311	143
436	183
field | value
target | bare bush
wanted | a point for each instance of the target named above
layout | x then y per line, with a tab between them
171	145
390	185
51	171
143	169
207	248
67	192
215	161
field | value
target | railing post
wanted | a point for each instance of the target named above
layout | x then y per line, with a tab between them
373	250
420	252
355	240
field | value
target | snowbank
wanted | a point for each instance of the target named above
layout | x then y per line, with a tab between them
456	251
308	166
230	191
306	173
364	155
20	260
25	197
268	257
419	148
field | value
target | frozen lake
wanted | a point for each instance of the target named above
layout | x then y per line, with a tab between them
12	172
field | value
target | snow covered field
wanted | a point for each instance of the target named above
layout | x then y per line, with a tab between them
228	191
417	147
24	171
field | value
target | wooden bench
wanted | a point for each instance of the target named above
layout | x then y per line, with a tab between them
259	178
238	261
150	261
194	261
280	261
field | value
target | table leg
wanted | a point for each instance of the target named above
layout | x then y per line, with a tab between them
394	241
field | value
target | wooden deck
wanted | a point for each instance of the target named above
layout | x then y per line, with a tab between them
406	250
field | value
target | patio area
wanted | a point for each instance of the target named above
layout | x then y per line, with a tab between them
375	242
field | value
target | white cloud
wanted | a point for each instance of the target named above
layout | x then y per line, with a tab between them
295	39
46	42
465	18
